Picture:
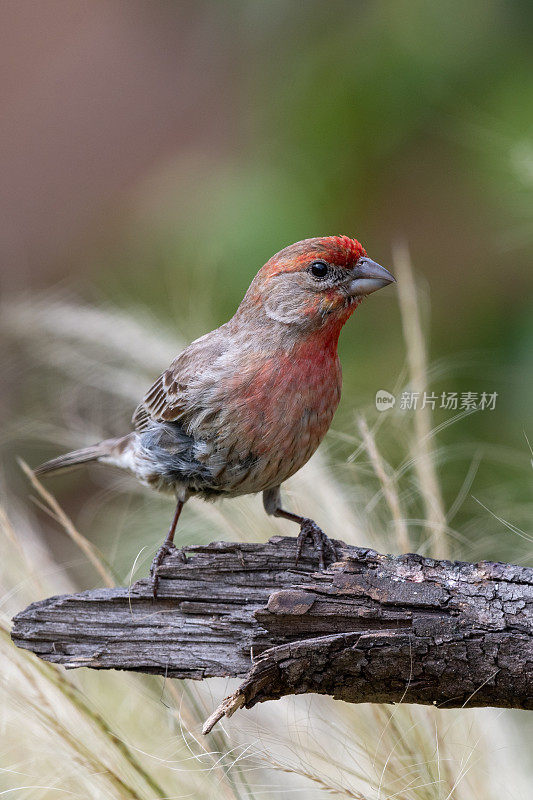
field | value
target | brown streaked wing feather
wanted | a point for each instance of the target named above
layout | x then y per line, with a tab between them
141	418
161	403
165	401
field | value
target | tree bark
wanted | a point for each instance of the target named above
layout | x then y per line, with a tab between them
371	628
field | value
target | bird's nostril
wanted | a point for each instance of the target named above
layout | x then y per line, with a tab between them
368	269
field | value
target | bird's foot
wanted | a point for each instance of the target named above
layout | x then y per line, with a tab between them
322	544
165	550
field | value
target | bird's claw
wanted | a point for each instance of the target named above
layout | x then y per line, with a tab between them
321	543
165	550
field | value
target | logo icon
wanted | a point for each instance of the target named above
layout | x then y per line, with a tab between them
384	400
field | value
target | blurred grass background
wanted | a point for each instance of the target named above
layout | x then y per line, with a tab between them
154	155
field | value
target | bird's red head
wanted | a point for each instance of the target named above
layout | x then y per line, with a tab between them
338	251
315	284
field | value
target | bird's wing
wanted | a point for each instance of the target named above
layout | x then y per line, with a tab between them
169	398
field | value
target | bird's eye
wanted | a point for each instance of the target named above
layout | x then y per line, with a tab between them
318	269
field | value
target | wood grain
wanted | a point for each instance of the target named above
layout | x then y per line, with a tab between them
371	628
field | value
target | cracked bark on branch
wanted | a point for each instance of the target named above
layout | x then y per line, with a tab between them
372	628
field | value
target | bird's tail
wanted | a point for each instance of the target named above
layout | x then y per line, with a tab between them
111	451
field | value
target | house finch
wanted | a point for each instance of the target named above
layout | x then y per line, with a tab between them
242	408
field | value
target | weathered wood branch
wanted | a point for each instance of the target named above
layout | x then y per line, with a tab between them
372	628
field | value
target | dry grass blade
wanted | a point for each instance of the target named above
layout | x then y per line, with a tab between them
57	678
388	486
417	361
11	536
39	680
93	554
330	788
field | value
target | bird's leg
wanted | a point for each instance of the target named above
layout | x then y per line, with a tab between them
308	529
166	548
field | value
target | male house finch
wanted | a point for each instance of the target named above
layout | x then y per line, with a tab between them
242	408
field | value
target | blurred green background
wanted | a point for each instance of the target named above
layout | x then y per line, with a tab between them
156	154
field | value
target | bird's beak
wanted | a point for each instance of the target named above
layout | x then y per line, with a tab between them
368	277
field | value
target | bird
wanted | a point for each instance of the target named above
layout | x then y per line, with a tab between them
241	409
